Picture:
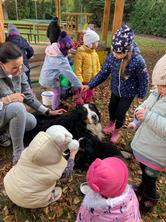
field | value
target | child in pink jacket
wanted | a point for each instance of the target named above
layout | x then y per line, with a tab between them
108	197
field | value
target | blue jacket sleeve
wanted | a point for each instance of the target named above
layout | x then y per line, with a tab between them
143	78
102	74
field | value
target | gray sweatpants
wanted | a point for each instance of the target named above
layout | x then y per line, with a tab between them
19	120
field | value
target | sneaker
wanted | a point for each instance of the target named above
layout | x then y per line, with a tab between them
4	140
55	195
109	128
115	136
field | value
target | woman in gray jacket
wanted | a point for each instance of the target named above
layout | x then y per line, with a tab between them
14	92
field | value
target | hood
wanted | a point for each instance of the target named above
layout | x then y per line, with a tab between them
53	50
84	48
136	49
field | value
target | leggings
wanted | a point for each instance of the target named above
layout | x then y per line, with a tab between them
19	120
118	107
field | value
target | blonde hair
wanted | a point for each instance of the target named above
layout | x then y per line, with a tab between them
124	64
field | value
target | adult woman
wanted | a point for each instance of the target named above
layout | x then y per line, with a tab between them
14	91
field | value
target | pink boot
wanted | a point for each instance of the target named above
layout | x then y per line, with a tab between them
115	136
109	128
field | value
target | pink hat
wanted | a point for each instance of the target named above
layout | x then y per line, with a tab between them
108	177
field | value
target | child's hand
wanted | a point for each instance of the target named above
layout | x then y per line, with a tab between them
140	114
57	112
84	88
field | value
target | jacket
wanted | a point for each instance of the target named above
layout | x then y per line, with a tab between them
26	49
54	65
18	84
86	63
29	183
137	82
150	138
124	208
53	31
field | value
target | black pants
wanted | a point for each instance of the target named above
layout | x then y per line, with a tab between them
118	107
148	183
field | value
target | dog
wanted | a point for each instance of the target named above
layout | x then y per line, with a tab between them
84	124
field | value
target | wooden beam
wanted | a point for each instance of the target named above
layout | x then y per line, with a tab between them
2	37
106	19
118	15
58	9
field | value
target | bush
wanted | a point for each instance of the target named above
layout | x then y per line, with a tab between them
149	17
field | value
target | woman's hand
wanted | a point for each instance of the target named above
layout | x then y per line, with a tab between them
84	88
140	114
15	97
57	112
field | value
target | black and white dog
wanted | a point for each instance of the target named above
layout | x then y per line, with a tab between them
84	124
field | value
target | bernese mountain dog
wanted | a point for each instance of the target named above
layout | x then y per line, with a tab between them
83	122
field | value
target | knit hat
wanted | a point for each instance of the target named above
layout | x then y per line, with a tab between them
62	138
108	177
90	37
65	43
159	72
123	39
12	29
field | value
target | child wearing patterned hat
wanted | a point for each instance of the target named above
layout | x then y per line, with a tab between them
87	64
108	197
129	78
56	63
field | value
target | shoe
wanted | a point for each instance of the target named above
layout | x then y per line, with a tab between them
147	204
109	128
115	136
4	140
55	195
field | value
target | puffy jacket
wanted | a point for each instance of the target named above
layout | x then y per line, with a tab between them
86	63
137	82
149	141
124	208
29	183
26	49
54	65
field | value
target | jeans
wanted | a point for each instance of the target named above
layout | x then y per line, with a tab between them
118	106
19	120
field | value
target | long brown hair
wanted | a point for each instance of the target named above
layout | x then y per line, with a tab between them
124	64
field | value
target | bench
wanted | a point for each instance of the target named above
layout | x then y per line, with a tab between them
21	28
41	30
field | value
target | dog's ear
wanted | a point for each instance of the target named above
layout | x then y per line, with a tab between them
81	111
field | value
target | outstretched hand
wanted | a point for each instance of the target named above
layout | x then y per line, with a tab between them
84	88
57	112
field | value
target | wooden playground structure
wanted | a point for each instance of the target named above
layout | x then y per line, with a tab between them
73	19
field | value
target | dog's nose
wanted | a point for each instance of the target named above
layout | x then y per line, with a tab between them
94	118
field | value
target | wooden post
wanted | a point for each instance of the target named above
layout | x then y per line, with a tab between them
118	15
58	9
2	37
106	18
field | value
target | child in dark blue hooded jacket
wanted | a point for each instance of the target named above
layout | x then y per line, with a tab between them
129	78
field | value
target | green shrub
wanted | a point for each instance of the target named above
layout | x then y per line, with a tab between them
149	17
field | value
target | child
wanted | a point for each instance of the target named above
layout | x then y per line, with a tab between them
129	78
108	196
31	183
87	64
149	144
15	37
55	64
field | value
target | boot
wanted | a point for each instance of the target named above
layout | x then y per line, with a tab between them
115	136
109	128
147	204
